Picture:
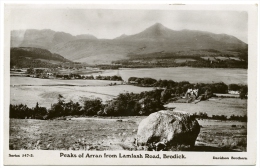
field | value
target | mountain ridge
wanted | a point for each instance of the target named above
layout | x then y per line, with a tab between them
156	38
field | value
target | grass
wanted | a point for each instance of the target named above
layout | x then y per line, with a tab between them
218	106
47	95
70	135
108	134
225	137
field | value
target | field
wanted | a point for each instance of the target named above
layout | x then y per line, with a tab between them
46	91
113	134
218	106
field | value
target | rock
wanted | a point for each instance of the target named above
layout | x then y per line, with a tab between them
172	127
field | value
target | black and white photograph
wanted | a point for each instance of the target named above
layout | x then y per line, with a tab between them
156	83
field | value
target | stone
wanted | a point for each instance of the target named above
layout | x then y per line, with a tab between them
170	127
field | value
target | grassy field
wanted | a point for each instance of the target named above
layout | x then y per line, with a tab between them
47	95
218	106
113	134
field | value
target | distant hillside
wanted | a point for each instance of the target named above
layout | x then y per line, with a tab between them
154	39
34	57
45	38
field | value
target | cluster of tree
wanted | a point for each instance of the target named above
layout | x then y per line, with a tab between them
127	104
91	77
234	87
243	92
59	109
204	115
200	115
74	76
22	111
113	78
147	82
179	87
130	104
238	118
242	89
42	73
219	117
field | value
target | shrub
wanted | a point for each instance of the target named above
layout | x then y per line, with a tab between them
92	106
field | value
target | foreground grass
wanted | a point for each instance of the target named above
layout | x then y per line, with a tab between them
116	134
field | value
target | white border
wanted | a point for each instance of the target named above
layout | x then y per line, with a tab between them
251	38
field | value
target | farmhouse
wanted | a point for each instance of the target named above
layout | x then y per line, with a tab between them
191	93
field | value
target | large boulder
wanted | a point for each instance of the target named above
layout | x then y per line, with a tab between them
169	127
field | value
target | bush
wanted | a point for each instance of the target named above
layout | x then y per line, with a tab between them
22	111
243	92
92	107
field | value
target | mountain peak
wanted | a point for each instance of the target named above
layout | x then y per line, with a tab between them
156	31
121	37
158	26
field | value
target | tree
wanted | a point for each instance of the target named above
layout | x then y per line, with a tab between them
234	87
243	92
30	71
92	106
57	109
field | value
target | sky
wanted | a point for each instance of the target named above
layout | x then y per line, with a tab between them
111	23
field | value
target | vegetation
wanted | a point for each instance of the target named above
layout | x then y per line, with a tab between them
113	78
127	104
46	73
162	59
180	88
24	57
22	111
204	115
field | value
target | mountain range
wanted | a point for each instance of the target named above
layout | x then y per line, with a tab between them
157	38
